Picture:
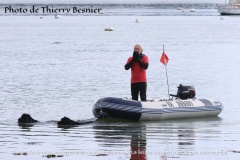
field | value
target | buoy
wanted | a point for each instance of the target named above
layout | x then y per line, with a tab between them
137	21
192	10
109	29
57	16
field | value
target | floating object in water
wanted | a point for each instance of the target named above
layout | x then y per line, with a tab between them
108	29
57	16
41	17
221	18
137	21
184	106
101	12
192	10
56	42
179	8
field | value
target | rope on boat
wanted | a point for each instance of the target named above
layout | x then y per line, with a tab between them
102	115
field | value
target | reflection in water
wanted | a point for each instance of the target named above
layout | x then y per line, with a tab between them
186	136
66	127
26	127
119	133
187	133
129	140
167	139
138	144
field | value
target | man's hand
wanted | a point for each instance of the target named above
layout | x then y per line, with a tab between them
135	56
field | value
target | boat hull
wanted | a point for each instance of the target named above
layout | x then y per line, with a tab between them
157	110
229	11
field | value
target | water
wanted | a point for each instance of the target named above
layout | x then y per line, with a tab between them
110	8
51	68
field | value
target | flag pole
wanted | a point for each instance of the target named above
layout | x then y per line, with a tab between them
166	71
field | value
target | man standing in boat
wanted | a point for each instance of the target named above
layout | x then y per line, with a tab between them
138	64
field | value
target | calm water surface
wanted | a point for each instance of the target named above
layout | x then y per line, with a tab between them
51	68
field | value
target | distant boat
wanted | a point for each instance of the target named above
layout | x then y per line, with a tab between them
179	8
192	10
108	29
57	16
232	8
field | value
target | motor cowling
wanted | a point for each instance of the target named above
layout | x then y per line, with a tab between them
185	92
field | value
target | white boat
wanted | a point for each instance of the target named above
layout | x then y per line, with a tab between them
192	10
232	8
57	16
184	106
179	8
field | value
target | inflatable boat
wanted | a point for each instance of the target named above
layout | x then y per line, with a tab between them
182	105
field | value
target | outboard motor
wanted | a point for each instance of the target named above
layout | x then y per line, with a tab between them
185	92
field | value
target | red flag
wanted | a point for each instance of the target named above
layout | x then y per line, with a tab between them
164	59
